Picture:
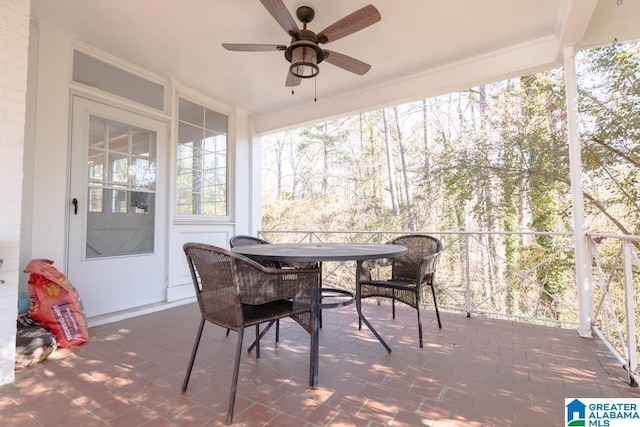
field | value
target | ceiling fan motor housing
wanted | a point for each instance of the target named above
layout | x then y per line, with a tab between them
304	54
307	39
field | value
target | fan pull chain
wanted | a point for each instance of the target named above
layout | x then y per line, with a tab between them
315	90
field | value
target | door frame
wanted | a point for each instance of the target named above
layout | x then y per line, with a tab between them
163	184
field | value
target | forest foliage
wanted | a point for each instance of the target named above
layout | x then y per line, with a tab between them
494	157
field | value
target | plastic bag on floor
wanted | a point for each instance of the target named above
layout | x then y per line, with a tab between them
55	303
33	343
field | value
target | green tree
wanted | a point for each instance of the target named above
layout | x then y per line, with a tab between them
609	88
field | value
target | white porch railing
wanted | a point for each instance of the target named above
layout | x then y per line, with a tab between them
527	276
616	280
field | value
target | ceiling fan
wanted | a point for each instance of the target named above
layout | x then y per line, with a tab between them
304	52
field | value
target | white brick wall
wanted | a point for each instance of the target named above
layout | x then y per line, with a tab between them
14	42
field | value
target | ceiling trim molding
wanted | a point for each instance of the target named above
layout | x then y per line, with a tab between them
575	19
516	60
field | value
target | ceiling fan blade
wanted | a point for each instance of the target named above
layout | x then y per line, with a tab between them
346	62
358	20
247	47
292	80
279	11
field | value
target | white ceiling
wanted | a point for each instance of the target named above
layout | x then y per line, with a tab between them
420	47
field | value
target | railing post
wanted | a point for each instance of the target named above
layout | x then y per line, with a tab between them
467	274
632	357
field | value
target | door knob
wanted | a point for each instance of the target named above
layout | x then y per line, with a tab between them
75	206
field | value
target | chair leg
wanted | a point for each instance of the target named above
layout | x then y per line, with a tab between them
257	341
419	324
393	303
262	334
227	334
435	304
234	379
185	383
277	331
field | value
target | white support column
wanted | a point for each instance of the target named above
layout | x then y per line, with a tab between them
632	357
583	261
14	55
255	220
248	174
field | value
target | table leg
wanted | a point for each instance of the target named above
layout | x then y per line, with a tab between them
315	332
359	309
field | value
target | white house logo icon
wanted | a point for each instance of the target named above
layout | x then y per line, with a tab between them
576	413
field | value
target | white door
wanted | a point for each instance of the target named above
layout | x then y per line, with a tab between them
117	200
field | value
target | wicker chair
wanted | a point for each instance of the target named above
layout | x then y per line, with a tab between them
242	240
235	292
329	297
409	275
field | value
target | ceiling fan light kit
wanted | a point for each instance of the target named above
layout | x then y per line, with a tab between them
304	52
304	57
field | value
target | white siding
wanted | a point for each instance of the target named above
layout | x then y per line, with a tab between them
14	42
46	164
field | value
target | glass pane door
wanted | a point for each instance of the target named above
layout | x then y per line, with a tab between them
121	177
117	220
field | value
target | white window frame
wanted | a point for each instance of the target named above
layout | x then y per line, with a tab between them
191	217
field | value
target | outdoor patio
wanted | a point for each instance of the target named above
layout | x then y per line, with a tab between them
474	372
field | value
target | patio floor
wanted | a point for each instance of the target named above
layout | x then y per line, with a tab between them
474	372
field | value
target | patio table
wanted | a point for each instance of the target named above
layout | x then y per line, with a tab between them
317	253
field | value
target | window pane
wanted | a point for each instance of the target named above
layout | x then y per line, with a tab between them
215	122
118	201
118	137
121	176
143	174
93	72
95	200
96	165
97	128
141	142
119	168
189	112
201	161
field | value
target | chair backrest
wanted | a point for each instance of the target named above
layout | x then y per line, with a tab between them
224	281
241	240
418	246
212	270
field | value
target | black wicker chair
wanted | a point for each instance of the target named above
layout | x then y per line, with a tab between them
242	240
409	275
235	292
329	297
